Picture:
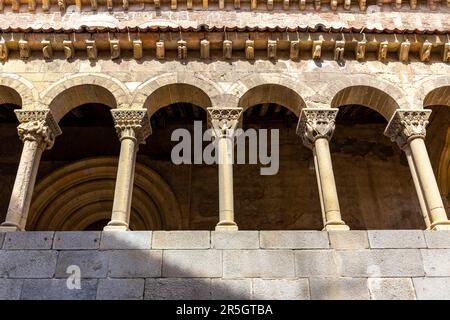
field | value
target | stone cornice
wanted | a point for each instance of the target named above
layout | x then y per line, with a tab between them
254	5
227	45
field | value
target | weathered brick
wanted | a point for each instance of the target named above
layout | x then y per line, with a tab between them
380	263
77	240
437	239
348	240
10	289
315	263
396	239
436	262
120	289
432	288
28	263
391	288
126	240
177	289
235	240
57	289
135	263
181	240
258	263
192	263
270	289
294	240
92	263
338	289
231	289
28	240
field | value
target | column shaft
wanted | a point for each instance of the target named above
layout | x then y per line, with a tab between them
226	205
124	185
438	216
22	193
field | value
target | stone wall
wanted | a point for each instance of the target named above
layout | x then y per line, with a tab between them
401	264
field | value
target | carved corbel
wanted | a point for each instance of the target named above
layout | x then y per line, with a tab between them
269	4
333	5
94	5
237	4
362	5
24	49
360	50
347	4
317	49
446	57
383	51
4	51
69	50
339	48
302	4
157	4
125	5
205	4
227	49
160	50
221	4
294	51
182	49
110	5
249	49
2	5
425	51
398	4
413	4
189	4
15	5
173	4
432	4
403	52
47	50
204	49
114	47
32	5
272	49
62	5
254	4
137	49
286	4
45	5
317	4
78	5
91	49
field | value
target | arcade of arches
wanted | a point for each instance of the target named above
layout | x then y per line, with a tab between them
63	175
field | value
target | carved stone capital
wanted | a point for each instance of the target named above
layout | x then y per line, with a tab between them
132	123
316	123
406	125
224	121
37	125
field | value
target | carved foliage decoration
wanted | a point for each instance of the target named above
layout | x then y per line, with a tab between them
406	125
132	123
224	121
316	123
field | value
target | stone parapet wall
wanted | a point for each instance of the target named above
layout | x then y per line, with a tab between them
385	264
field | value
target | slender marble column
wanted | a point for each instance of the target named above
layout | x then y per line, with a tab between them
224	122
133	127
408	129
316	127
37	130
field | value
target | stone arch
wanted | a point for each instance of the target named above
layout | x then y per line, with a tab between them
434	91
81	193
73	91
17	90
381	96
167	89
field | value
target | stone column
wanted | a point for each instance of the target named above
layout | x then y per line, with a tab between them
316	127
408	129
37	130
224	122
133	127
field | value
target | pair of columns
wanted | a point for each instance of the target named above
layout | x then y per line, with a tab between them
38	130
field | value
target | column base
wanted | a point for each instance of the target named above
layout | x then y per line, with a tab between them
226	226
116	228
9	229
440	225
336	227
